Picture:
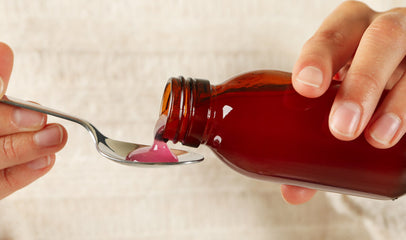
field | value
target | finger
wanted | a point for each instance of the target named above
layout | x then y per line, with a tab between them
397	75
381	50
13	120
388	124
17	177
296	195
6	64
330	48
22	147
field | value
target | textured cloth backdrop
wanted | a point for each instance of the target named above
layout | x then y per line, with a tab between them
107	62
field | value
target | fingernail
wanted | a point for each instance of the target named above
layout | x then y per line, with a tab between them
49	136
345	119
385	128
310	76
27	119
39	163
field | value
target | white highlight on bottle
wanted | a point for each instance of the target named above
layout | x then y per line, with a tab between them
226	110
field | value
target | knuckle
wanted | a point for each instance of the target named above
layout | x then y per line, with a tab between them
332	37
8	182
356	6
353	3
8	148
401	10
390	26
369	80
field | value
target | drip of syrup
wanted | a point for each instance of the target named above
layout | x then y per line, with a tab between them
158	151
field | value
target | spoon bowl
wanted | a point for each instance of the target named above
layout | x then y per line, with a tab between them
114	150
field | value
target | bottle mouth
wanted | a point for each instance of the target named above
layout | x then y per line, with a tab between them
173	109
184	103
165	103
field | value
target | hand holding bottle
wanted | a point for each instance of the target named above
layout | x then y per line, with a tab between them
366	51
27	143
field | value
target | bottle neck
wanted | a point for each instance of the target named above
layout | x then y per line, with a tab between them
186	103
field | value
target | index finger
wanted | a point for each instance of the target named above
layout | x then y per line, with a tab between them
330	48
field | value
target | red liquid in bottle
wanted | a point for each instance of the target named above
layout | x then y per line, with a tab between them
258	125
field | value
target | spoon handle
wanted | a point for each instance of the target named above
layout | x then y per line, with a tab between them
39	108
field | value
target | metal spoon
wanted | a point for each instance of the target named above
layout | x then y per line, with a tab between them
112	149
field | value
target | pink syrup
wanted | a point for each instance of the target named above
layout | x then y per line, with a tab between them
157	152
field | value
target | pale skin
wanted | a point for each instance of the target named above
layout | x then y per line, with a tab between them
366	51
27	143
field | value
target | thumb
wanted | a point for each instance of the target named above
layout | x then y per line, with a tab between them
6	64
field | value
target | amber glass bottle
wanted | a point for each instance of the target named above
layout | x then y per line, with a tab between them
258	125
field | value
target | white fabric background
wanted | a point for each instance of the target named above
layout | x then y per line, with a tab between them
107	62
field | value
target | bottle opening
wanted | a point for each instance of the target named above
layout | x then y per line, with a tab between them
166	99
185	104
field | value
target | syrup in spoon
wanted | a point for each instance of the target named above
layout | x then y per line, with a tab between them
158	151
